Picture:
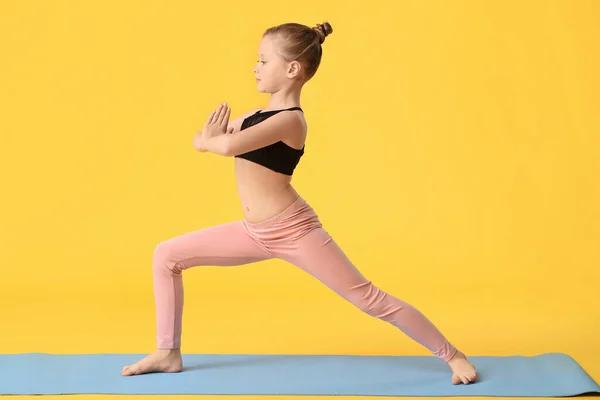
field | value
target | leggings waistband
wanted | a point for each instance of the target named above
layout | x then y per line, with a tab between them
296	204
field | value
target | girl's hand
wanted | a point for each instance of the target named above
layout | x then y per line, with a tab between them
216	125
217	122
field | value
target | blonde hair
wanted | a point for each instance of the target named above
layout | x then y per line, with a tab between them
297	42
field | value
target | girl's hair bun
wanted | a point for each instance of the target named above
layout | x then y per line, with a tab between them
323	30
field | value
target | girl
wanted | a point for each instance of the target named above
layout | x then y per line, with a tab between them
267	145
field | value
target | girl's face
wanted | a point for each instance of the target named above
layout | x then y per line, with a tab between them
272	71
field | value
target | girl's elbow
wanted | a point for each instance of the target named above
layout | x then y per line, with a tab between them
231	148
226	150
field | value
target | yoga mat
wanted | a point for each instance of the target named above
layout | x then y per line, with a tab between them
546	375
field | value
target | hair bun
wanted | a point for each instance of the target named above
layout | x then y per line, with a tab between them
323	30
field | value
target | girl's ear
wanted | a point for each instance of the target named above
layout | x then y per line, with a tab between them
294	68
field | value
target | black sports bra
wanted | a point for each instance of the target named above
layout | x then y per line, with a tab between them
278	157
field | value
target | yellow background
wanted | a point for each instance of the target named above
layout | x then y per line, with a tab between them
452	152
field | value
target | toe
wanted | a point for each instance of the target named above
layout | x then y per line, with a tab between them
128	370
455	380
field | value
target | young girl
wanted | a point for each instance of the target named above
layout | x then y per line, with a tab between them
267	145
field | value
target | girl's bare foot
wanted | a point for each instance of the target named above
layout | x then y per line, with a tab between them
159	361
462	370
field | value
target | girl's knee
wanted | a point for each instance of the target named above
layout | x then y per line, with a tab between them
373	301
164	258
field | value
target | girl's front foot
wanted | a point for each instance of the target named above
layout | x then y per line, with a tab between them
159	361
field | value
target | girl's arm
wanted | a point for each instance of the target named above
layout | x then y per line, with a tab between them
281	126
213	147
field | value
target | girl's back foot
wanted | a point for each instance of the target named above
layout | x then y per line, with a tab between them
462	370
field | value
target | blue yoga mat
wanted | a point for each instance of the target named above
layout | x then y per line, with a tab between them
546	375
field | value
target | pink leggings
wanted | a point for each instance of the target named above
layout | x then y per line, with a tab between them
296	236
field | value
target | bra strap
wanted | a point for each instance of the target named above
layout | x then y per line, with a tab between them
283	109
